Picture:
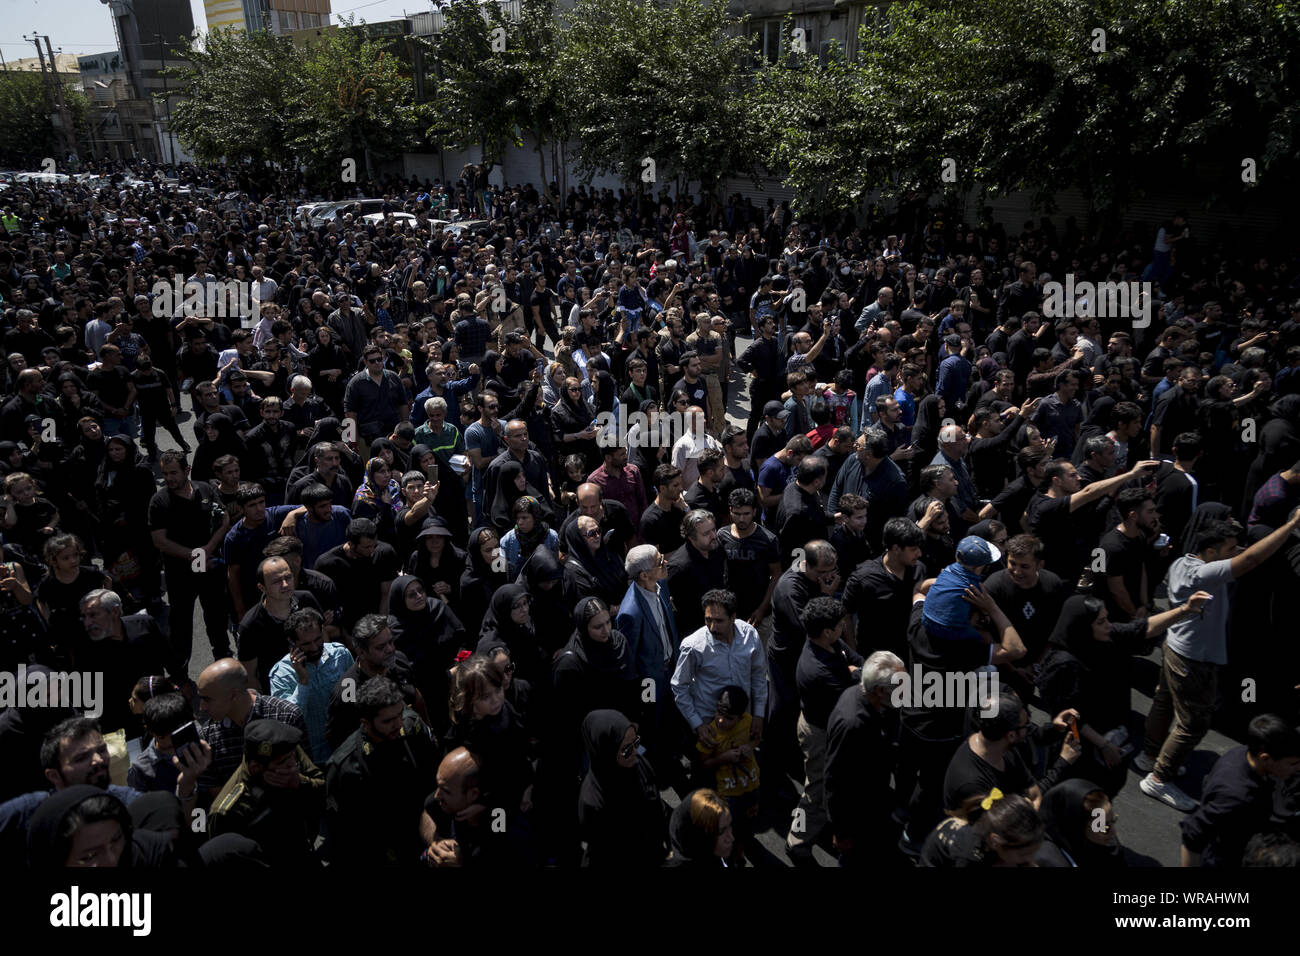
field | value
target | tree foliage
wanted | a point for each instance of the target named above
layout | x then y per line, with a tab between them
499	78
27	134
666	82
255	97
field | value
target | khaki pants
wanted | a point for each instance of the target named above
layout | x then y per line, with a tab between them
717	405
810	818
1187	696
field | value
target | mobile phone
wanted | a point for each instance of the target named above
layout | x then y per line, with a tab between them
433	473
183	736
1074	728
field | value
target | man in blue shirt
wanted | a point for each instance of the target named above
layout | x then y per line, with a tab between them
308	674
913	382
954	375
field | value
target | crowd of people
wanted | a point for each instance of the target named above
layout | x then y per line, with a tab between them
488	560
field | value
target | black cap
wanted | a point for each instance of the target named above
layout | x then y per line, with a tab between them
265	740
775	409
434	528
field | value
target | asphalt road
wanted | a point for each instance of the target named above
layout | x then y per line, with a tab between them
1148	828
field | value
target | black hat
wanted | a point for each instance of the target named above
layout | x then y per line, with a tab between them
265	740
433	528
775	409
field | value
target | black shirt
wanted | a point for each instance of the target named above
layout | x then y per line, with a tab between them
749	563
882	604
1032	611
190	522
1125	558
358	579
822	675
262	636
1013	501
1236	804
662	529
970	775
1051	521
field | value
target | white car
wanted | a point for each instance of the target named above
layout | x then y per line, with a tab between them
403	220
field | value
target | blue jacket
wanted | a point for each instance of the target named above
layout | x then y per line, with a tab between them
637	622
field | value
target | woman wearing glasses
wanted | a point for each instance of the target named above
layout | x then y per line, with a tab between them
509	621
591	568
574	424
619	813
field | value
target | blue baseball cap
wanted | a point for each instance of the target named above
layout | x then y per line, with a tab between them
975	552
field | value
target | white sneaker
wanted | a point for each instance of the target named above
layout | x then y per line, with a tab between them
1144	764
1167	793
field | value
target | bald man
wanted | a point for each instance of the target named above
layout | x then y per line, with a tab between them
536	468
609	514
457	822
229	703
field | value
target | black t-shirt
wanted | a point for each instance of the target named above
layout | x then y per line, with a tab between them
662	529
765	443
1125	558
1013	500
734	478
821	676
262	636
358	579
882	604
1050	520
748	568
970	775
1032	611
110	384
189	522
64	600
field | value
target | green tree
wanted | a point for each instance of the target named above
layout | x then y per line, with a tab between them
666	82
498	78
27	134
237	97
355	98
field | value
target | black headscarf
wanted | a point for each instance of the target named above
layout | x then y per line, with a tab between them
478	582
233	850
1066	820
613	657
607	577
507	493
608	392
227	442
602	737
925	431
47	850
1073	631
618	807
519	639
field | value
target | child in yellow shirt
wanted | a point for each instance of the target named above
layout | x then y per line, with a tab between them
731	757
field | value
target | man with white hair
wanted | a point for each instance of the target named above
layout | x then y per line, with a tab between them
859	761
953	443
122	647
303	408
646	619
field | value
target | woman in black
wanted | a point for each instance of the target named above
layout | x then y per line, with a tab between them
437	562
1072	837
508	621
543	576
329	363
485	723
54	837
619	813
1279	447
571	424
519	692
699	832
591	568
481	578
925	434
511	486
430	634
1086	667
123	488
222	439
68	580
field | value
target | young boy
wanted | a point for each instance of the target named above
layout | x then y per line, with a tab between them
162	715
732	760
849	535
947	614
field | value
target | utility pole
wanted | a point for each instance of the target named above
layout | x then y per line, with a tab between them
69	135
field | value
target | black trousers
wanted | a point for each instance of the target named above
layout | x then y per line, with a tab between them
184	587
926	762
151	418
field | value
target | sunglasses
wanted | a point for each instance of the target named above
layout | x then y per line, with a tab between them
630	749
593	533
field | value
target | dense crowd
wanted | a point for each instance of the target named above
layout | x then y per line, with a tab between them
489	558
